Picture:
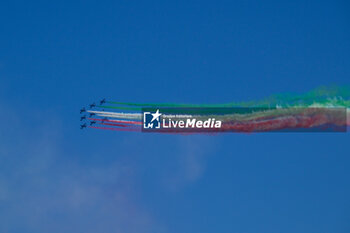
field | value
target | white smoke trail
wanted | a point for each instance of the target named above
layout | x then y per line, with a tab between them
118	115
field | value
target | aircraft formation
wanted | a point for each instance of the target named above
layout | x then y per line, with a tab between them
86	121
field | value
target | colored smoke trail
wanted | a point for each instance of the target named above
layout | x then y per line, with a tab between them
120	115
320	97
324	109
117	121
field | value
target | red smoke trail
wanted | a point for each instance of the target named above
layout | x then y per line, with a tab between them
291	122
117	121
301	122
294	122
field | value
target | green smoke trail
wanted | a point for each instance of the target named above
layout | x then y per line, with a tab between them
320	97
122	108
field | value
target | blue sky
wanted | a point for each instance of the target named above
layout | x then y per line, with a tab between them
58	56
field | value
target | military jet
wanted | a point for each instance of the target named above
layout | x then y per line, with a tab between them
83	126
82	110
92	114
92	105
82	118
102	101
92	122
104	119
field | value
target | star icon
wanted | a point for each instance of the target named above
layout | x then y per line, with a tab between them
156	115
